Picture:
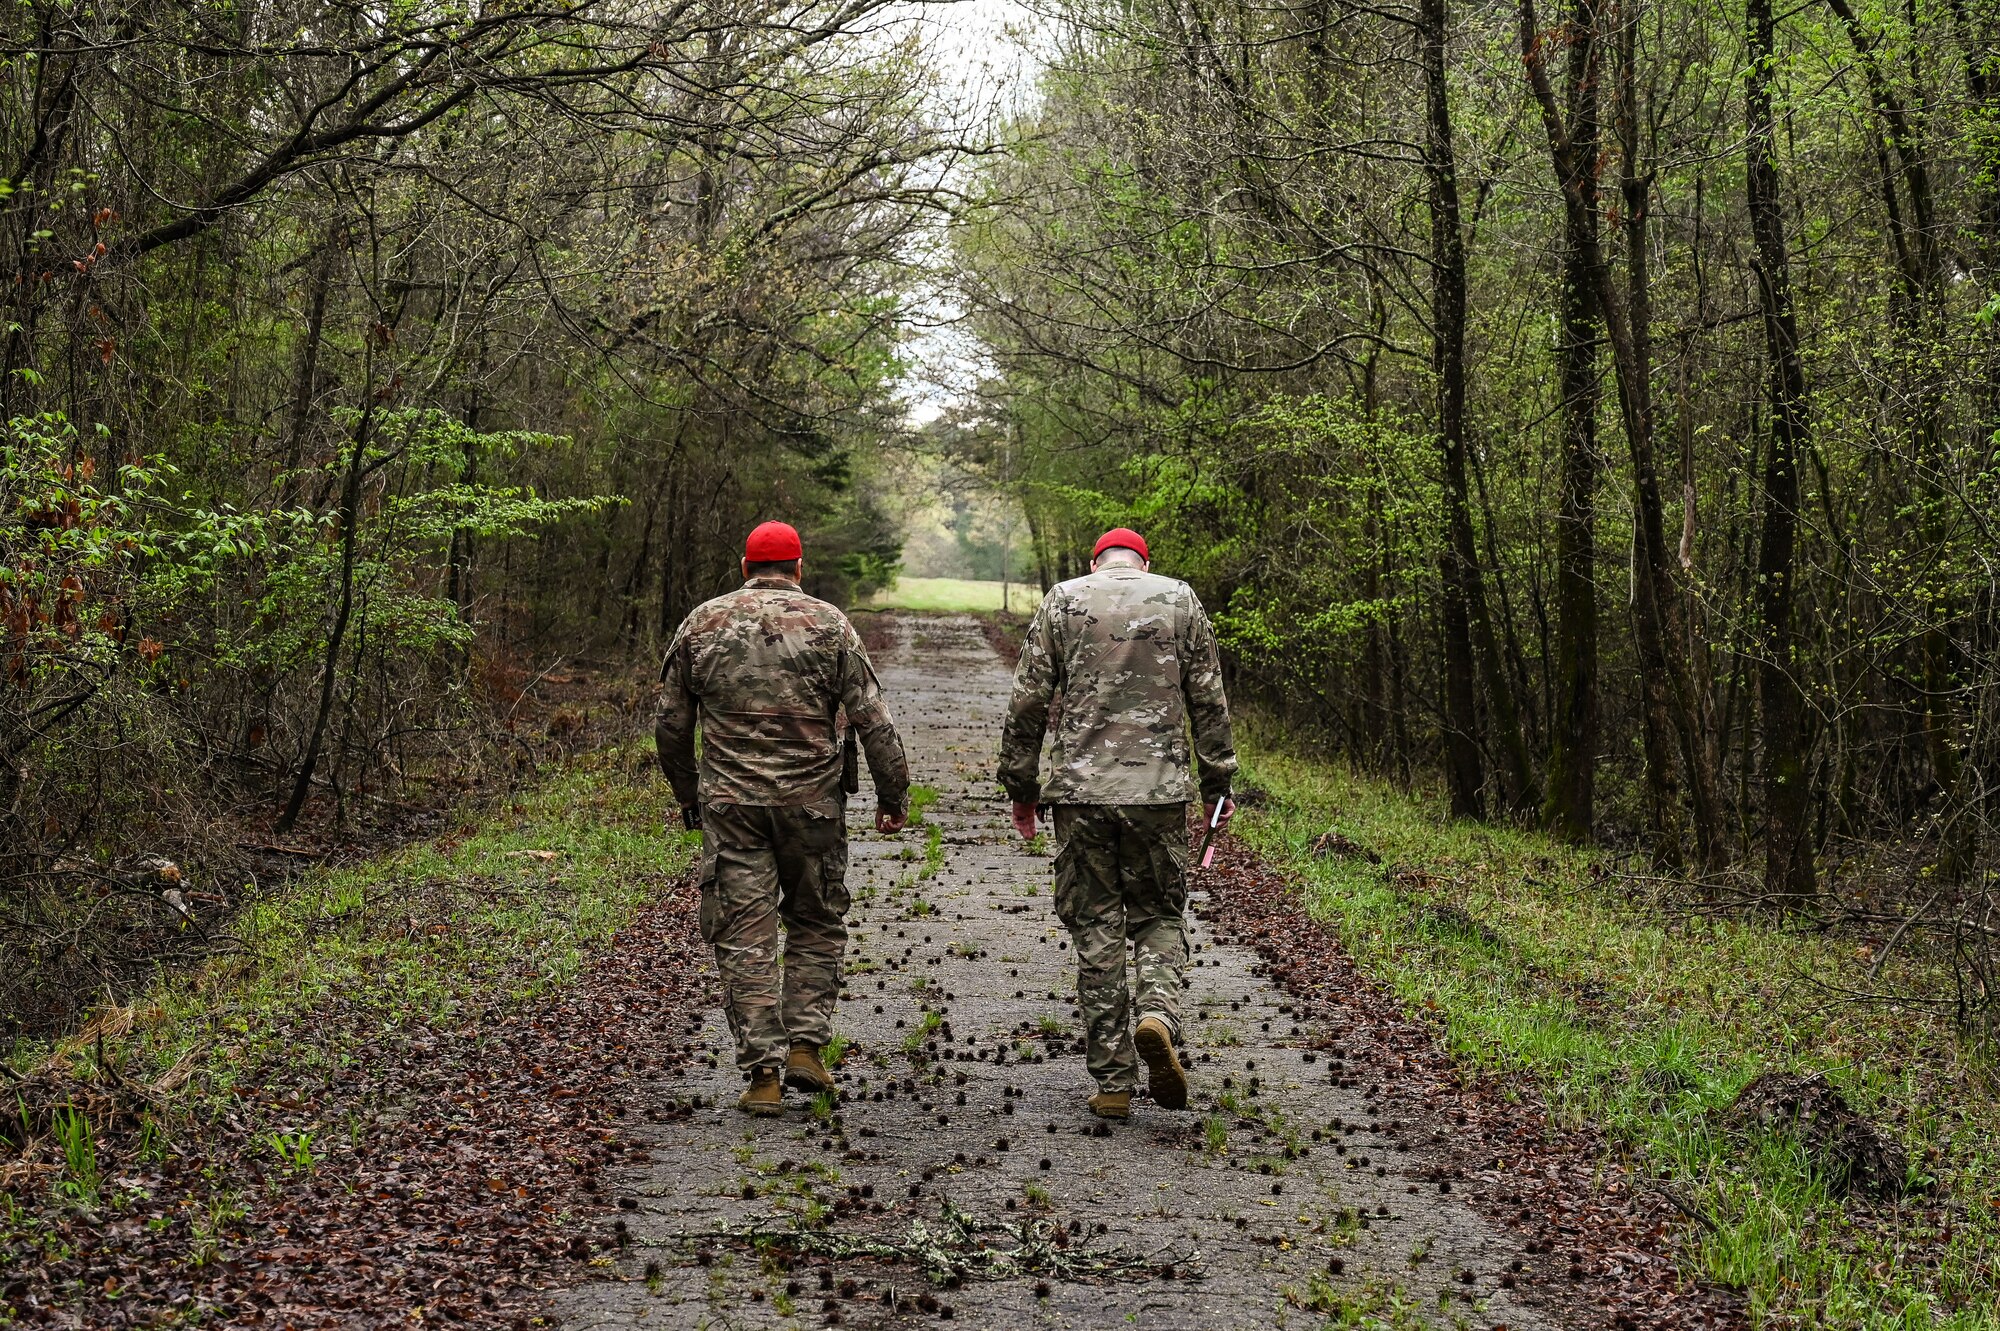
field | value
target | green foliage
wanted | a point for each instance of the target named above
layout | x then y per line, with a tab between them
298	558
294	1150
1206	287
78	1141
291	426
74	531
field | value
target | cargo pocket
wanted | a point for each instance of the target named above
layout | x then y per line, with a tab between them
823	834
1066	866
820	827
833	878
710	915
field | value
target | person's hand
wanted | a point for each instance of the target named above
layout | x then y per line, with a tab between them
886	821
1024	820
1228	812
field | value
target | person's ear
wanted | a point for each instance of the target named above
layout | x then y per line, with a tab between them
799	569
746	570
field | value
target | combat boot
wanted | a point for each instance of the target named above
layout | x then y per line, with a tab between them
1112	1104
1164	1076
765	1098
805	1072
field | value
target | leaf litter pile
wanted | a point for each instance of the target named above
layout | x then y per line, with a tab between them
373	1176
1596	1248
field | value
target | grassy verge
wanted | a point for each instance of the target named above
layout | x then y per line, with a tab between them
391	1099
952	595
502	908
1648	1023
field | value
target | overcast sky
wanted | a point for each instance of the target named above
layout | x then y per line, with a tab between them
983	64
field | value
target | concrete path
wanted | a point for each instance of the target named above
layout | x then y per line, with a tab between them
960	1178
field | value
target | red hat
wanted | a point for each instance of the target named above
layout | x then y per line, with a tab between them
1121	538
773	543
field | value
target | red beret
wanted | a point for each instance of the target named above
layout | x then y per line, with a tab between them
772	543
1121	538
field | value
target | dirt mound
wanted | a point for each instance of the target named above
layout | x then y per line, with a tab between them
1854	1156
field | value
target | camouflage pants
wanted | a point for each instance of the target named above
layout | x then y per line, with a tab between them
759	867
1121	874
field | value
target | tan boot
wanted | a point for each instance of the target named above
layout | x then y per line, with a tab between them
765	1098
1164	1077
1112	1104
805	1072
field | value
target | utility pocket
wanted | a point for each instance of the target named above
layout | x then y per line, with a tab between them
1067	881
821	828
710	914
833	878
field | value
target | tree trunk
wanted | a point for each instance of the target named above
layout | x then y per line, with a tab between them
1457	562
1570	807
1788	848
1674	646
349	516
305	380
1918	253
459	554
1668	679
1503	693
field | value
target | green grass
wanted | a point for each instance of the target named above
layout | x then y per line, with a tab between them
952	595
1649	1025
500	910
430	936
924	1029
836	1050
1375	1303
933	853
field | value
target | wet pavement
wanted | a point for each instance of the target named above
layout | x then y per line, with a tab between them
959	1176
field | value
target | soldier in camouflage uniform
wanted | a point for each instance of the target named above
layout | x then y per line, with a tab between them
768	673
1132	658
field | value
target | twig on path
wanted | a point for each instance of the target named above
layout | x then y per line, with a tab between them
953	1251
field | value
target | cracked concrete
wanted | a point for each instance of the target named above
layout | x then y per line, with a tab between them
960	1177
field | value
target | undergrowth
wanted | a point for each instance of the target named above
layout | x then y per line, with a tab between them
502	908
1647	1022
263	1077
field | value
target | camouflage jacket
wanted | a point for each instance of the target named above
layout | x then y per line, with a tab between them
766	671
1133	659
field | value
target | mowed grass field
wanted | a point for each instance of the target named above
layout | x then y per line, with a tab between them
953	594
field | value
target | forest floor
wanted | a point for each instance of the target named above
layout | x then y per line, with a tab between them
1445	1076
